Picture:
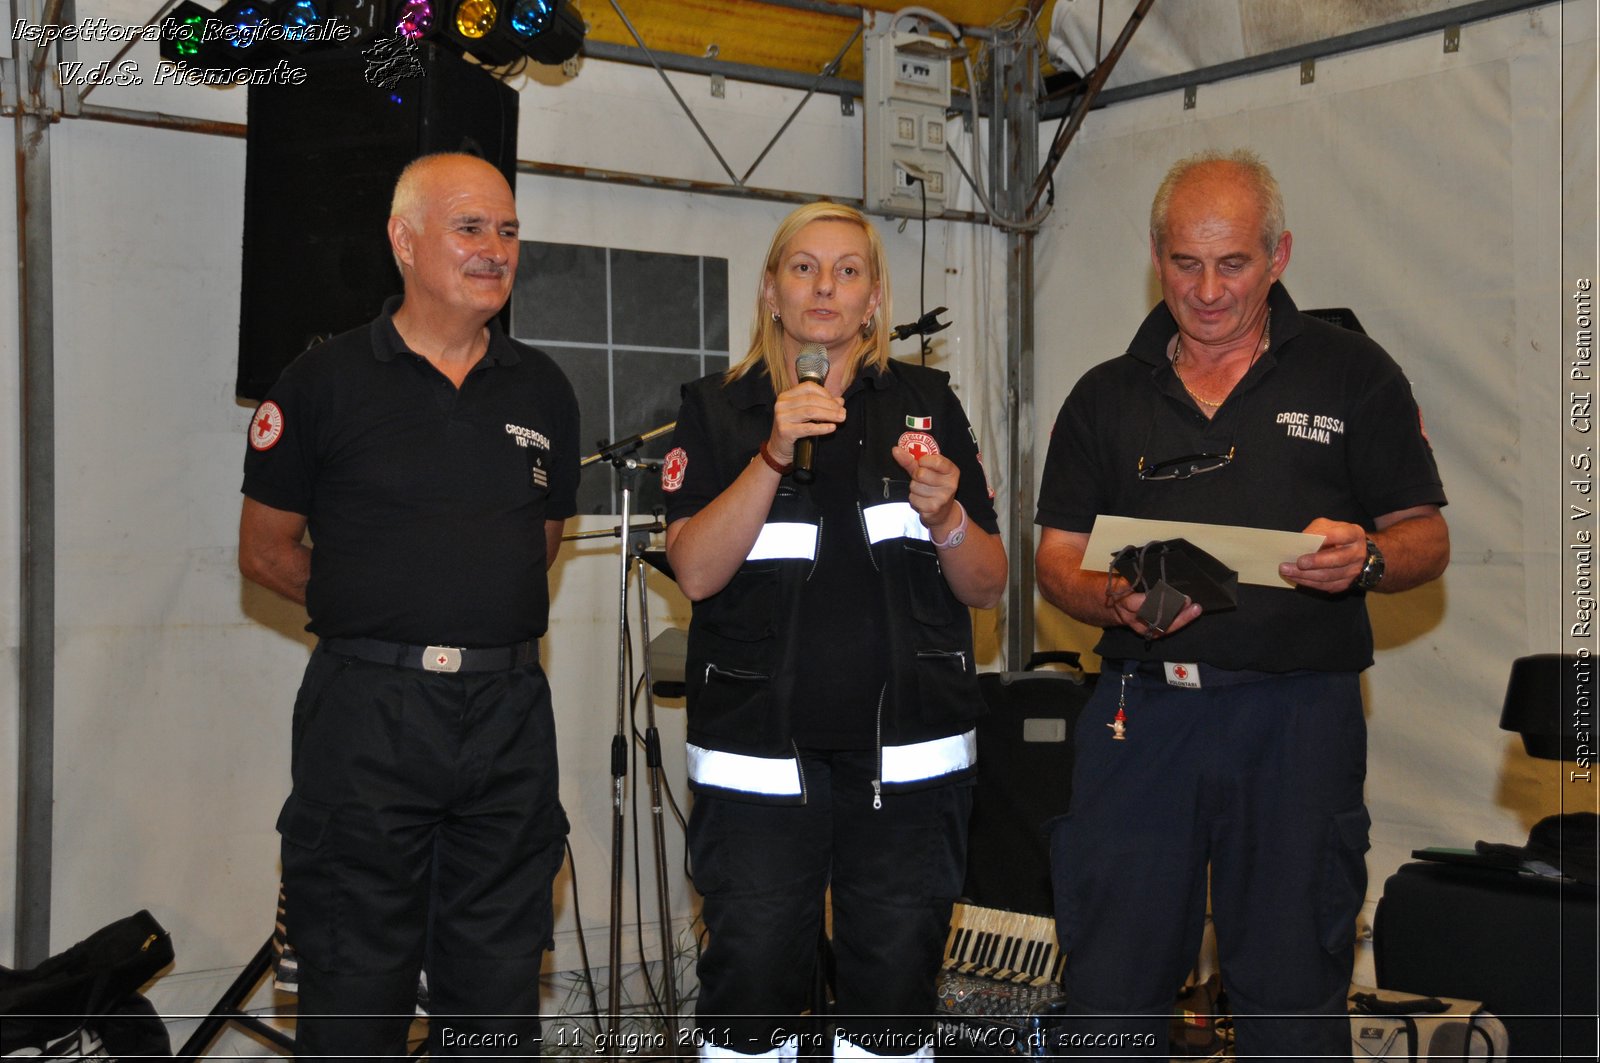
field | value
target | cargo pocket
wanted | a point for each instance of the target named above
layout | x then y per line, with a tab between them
312	909
546	866
1344	878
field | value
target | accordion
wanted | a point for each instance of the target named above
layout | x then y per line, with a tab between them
1000	982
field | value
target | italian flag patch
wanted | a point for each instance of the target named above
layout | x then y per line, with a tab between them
924	424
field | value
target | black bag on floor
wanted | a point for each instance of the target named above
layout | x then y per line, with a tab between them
85	1002
1024	780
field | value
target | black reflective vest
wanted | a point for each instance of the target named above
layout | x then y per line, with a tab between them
745	646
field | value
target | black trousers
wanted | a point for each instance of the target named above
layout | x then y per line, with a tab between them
423	832
764	871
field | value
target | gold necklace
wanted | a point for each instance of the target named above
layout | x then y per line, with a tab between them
1177	351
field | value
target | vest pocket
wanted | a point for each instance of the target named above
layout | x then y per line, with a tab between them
732	701
744	610
715	674
930	597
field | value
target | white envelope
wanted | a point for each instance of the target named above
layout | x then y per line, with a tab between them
1254	553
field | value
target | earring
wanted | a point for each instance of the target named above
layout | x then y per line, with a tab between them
868	327
777	319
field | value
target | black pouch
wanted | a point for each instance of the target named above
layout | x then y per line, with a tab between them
90	989
1171	573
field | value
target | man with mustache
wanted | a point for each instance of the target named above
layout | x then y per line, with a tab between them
434	461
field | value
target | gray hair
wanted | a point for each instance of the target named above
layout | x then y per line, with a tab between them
1250	167
409	201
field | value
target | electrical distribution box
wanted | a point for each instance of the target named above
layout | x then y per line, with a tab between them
907	90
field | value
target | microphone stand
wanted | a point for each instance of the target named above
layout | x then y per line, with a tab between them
635	539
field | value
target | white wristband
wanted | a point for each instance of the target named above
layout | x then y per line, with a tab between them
955	538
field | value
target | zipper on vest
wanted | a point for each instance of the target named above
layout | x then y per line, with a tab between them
800	772
877	784
866	539
959	655
736	674
816	552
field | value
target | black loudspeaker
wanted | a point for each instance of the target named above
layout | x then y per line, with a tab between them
320	168
1024	781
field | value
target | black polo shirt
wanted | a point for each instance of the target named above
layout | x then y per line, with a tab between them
1323	425
426	504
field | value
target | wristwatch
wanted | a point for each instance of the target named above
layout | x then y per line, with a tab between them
1372	571
957	537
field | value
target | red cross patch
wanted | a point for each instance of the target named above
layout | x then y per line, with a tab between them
921	444
266	427
1180	671
673	468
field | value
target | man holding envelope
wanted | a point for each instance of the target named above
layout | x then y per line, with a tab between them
1229	740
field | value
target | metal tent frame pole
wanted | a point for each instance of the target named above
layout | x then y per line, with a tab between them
1013	164
36	651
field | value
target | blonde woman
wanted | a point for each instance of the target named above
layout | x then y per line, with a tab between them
832	690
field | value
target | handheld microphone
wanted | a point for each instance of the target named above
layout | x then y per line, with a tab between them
812	365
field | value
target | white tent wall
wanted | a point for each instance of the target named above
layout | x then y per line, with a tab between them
174	677
1425	191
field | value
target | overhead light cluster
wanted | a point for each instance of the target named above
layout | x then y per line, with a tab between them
257	33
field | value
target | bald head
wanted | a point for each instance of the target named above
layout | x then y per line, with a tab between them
1221	176
423	180
454	233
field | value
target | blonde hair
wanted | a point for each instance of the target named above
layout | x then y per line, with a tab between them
1256	174
766	335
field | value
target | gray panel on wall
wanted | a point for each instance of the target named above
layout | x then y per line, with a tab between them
589	372
655	300
715	273
628	328
560	293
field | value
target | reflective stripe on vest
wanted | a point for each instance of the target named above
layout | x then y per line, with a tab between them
788	1049
780	776
783	541
929	760
894	520
772	776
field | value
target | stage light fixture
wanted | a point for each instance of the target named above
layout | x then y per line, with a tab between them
239	34
296	17
242	23
416	20
301	25
529	18
547	30
474	19
497	33
478	28
183	33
